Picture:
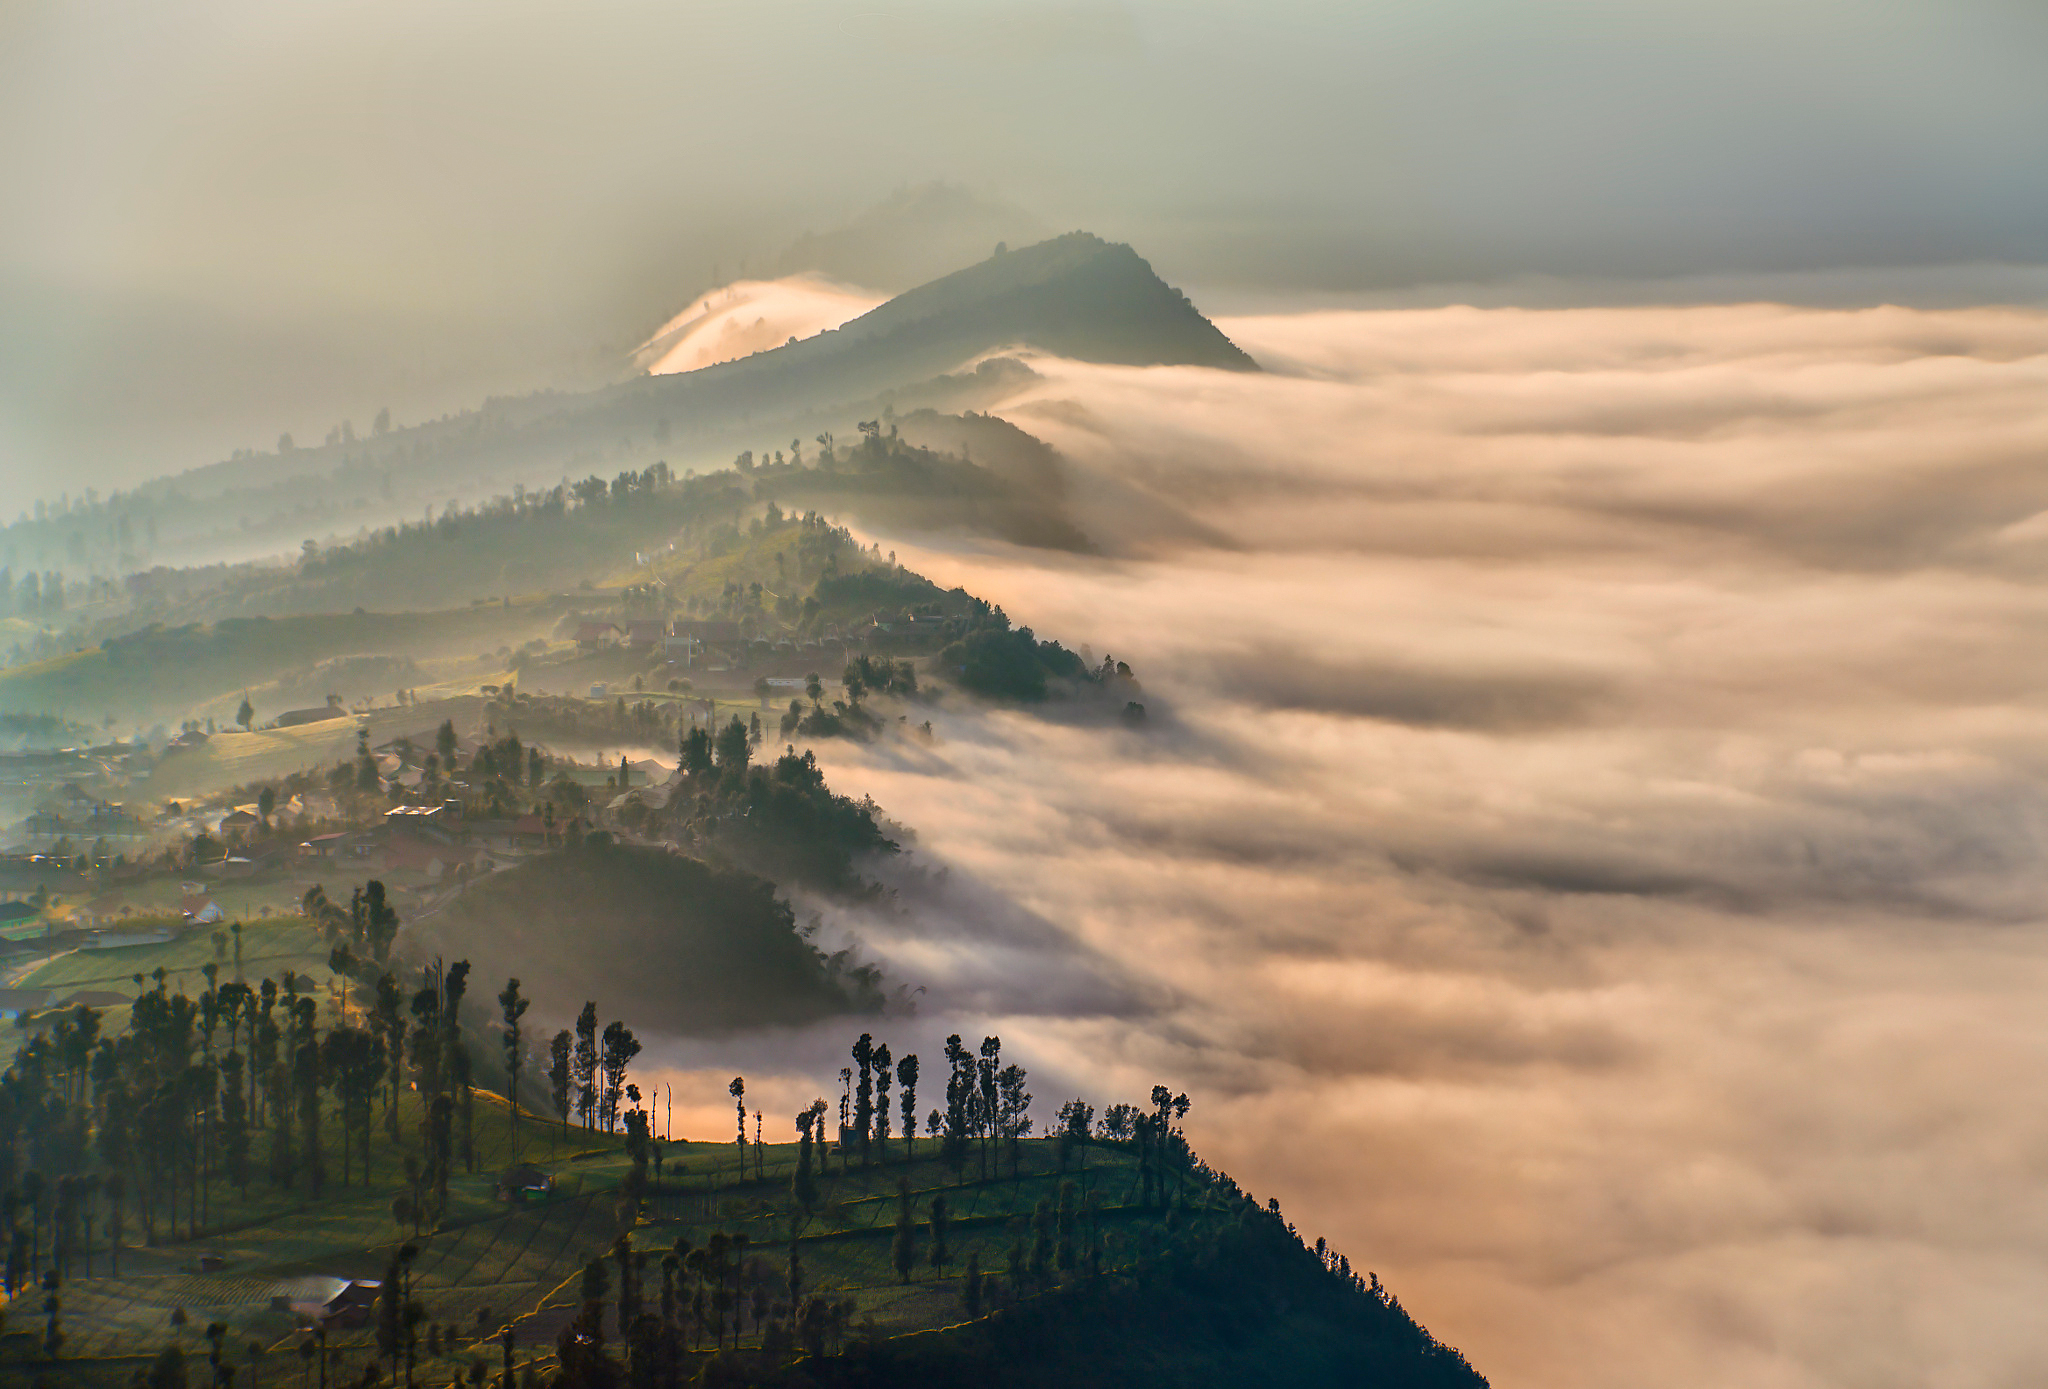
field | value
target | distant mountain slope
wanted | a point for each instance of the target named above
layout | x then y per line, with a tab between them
1075	296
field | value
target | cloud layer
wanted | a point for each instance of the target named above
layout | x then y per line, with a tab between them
1586	854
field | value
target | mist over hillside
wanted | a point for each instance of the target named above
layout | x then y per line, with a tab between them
1075	296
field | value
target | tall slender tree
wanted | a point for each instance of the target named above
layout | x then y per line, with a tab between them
803	1187
1013	1116
234	1122
307	1078
560	1073
511	1007
883	1075
586	1065
864	1093
738	1091
941	1227
390	1024
906	1076
985	1097
620	1047
903	1248
970	1286
960	1090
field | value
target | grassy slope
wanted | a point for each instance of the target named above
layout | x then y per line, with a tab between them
521	1264
490	1264
159	674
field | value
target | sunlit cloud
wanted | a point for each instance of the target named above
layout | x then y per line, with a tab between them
749	316
1585	853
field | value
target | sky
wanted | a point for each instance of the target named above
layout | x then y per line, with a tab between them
228	221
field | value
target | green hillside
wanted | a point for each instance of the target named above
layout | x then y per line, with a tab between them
157	670
1106	1255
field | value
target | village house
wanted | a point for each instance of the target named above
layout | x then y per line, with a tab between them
328	1302
590	636
292	718
646	633
16	1004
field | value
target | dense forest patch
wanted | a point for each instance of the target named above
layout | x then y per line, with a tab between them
689	946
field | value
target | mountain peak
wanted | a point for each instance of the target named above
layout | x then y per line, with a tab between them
1075	295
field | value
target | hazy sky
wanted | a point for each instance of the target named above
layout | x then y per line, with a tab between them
229	220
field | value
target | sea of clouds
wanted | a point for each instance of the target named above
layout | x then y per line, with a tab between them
1584	852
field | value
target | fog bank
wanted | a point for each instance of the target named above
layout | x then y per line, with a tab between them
1585	854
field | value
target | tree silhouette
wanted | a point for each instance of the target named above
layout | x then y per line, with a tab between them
511	1007
738	1091
804	1186
620	1047
864	1093
970	1286
586	1064
882	1062
941	1224
906	1076
903	1249
560	1074
732	749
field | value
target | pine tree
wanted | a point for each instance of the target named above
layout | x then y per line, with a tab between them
307	1078
1041	1242
234	1122
903	1249
864	1093
390	1023
941	1224
882	1077
959	1096
586	1064
906	1076
970	1286
1063	1253
804	1186
1013	1119
455	985
512	1008
116	1188
738	1091
380	921
284	1163
984	1098
560	1074
619	1049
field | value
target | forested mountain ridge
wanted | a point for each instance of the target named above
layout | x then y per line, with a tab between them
1076	296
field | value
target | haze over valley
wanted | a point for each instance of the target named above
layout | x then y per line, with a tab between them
1075	694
